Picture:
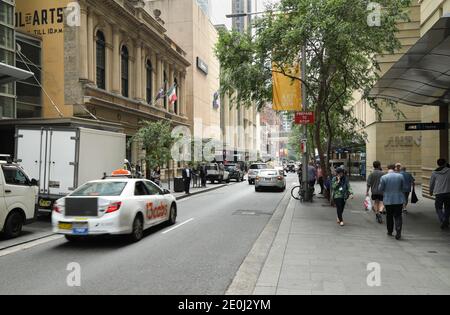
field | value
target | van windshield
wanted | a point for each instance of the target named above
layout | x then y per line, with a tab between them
100	189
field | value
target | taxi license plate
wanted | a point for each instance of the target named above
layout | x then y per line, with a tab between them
65	226
268	179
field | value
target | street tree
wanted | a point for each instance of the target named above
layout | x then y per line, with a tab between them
341	51
155	138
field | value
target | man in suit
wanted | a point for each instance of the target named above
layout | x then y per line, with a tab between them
187	177
392	186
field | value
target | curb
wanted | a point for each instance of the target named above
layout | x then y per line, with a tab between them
245	280
202	191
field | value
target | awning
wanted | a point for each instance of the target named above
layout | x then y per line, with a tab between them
10	74
422	75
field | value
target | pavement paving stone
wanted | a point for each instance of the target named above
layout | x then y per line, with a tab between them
322	258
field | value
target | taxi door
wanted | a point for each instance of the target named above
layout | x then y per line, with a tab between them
158	210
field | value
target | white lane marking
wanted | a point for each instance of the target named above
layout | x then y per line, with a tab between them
26	246
177	226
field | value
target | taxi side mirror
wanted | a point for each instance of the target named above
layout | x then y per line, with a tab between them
34	182
166	192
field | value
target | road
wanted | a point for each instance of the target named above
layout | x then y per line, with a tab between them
200	255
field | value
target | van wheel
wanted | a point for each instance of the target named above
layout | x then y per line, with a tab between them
173	215
13	225
138	230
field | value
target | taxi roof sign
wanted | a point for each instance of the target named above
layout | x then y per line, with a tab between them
120	173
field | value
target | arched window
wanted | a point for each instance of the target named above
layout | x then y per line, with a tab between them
175	105
125	70
101	60
165	89
149	85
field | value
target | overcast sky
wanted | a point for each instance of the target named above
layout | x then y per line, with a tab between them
220	8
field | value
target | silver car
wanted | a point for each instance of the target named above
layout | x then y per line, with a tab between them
270	179
254	171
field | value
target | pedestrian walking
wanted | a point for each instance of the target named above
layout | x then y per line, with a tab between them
392	185
312	175
187	177
440	188
410	183
320	179
341	192
203	174
156	176
373	183
398	167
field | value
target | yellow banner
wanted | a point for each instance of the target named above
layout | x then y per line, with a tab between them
287	93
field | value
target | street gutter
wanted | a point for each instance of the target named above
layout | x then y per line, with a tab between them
244	283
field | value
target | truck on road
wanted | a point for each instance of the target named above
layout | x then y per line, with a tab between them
63	158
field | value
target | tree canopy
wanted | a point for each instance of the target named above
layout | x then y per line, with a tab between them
341	52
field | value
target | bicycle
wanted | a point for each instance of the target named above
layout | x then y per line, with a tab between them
301	193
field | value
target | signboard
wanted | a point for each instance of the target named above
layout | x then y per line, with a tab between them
426	126
304	118
287	93
202	66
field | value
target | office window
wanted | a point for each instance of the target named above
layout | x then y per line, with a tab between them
125	71
29	92
6	13
101	60
149	85
175	105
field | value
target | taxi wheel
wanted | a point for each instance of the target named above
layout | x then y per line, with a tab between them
173	215
138	229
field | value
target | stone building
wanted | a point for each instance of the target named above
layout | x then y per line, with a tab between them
106	60
418	78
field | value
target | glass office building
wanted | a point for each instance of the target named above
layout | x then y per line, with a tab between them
7	57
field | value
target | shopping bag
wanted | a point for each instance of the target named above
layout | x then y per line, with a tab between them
414	198
368	204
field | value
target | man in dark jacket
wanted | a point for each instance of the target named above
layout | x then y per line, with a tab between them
440	188
187	177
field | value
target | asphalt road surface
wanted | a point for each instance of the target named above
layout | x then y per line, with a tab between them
200	255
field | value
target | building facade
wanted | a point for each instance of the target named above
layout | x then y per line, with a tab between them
243	23
388	142
417	77
105	60
7	57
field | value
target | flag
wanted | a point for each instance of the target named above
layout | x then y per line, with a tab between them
172	94
287	93
160	95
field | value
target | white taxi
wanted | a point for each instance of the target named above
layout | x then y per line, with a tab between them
113	206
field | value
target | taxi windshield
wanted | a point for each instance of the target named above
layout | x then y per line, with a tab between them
100	189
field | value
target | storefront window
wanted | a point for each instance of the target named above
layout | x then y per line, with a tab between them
6	107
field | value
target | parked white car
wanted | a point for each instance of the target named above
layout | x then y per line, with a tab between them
18	199
115	206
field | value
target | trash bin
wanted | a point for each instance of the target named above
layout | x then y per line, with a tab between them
178	184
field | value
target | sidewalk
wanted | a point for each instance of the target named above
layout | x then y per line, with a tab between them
311	254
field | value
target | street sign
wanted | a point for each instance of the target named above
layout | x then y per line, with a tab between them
426	126
304	118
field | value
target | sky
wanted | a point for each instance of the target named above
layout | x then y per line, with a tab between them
220	8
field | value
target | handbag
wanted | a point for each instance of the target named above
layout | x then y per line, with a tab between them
414	198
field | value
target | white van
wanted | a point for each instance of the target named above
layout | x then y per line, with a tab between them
18	199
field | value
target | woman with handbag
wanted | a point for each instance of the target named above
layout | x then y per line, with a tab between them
341	192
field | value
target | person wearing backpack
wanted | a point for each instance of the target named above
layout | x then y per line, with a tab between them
341	192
